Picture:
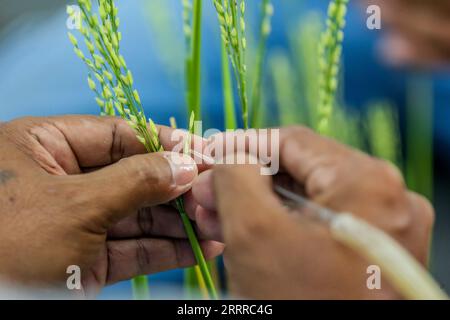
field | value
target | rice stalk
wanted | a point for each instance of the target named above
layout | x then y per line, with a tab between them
384	133
346	126
284	89
265	29
304	47
228	96
169	51
192	18
107	66
419	135
330	52
231	15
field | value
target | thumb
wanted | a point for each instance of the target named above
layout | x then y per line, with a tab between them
139	181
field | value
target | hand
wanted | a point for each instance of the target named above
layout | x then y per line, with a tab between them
274	254
79	191
418	31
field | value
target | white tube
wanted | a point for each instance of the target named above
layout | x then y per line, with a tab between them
404	273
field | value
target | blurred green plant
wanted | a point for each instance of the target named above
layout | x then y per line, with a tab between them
330	51
284	83
419	135
384	133
265	29
231	15
165	33
192	17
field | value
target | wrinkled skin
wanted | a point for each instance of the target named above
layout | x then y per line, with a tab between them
77	191
272	254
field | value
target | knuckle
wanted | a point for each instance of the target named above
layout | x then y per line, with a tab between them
387	181
391	175
297	131
152	171
424	209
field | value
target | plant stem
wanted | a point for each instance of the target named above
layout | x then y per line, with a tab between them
383	133
419	137
193	62
284	89
197	250
266	13
140	288
200	274
228	96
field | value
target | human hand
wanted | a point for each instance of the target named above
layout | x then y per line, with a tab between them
418	31
78	190
272	253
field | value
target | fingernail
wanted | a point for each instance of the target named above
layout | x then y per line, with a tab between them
184	168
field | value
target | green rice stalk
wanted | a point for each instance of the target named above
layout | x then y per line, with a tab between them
265	30
330	52
384	133
304	46
108	67
285	89
169	51
193	278
346	127
419	136
192	17
140	288
228	96
231	15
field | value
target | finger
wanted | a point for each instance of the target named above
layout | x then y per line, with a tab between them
201	207
158	221
208	224
245	200
133	183
174	140
422	225
422	29
78	142
202	190
400	50
131	258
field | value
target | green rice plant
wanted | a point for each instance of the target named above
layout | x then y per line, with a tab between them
304	47
169	51
265	29
383	132
330	52
192	26
231	15
192	17
285	89
346	127
419	136
228	96
108	67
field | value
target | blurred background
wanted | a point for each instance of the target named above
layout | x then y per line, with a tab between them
400	114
